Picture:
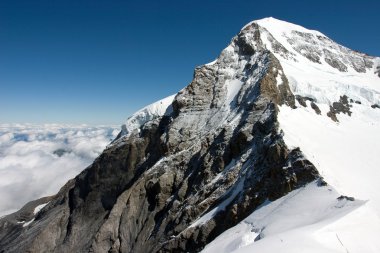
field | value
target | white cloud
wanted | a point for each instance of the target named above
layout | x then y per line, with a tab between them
37	160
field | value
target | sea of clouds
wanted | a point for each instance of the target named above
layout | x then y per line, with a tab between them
37	160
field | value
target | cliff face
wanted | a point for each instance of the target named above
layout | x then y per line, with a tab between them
175	181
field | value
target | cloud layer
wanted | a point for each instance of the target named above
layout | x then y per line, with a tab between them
37	160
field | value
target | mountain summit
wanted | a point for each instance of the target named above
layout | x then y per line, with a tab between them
273	146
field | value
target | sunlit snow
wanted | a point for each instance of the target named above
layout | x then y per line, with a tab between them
346	153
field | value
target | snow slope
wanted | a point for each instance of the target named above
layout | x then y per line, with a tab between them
310	219
147	113
346	153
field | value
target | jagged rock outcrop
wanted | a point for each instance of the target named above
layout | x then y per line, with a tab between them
188	173
342	106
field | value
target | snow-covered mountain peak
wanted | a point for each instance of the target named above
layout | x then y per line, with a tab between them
317	70
280	26
312	45
280	132
317	67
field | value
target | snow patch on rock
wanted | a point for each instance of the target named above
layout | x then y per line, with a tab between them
39	207
148	113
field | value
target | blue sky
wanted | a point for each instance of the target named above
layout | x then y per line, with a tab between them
98	61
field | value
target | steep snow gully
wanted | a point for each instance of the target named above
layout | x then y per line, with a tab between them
272	147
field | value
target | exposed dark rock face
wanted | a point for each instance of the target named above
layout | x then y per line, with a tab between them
60	152
148	191
278	93
332	114
342	106
13	224
334	62
315	107
302	101
342	197
355	101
